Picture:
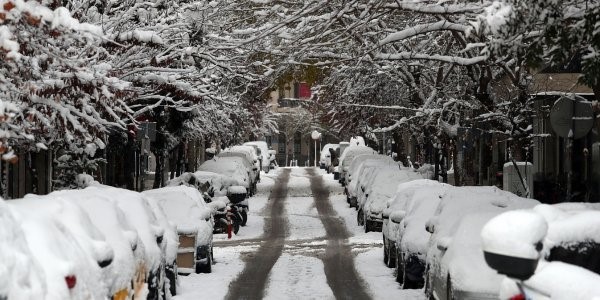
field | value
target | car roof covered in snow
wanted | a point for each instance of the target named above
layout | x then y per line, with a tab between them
22	276
116	228
185	207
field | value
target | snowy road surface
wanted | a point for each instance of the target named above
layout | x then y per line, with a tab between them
301	242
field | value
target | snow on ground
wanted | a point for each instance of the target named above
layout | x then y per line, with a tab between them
380	279
298	273
304	222
299	184
228	265
298	277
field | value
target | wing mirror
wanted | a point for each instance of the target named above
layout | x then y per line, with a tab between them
430	225
443	243
512	242
397	216
385	214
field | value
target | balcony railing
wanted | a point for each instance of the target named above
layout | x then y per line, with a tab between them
292	102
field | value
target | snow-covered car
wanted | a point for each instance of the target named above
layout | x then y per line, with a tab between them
264	153
128	250
22	276
554	280
214	184
231	167
358	186
455	265
398	205
411	237
382	187
325	157
346	159
140	215
169	246
70	272
570	264
248	154
359	163
185	207
77	221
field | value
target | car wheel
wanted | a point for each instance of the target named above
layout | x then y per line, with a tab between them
386	256
236	227
391	254
360	218
244	215
172	276
205	268
449	290
399	269
428	287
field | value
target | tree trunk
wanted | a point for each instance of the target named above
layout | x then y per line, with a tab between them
158	172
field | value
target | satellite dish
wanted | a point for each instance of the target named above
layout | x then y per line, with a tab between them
572	117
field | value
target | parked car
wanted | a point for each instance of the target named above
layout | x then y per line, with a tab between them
356	167
358	186
209	182
263	153
412	239
455	267
231	167
398	205
325	157
249	158
381	188
128	250
22	275
568	256
185	207
346	159
70	273
169	246
512	245
76	220
340	151
139	213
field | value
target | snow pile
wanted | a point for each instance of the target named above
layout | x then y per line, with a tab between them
515	233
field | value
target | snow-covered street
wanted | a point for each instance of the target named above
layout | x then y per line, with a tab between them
316	252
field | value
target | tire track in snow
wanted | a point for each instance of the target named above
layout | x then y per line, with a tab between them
341	273
251	283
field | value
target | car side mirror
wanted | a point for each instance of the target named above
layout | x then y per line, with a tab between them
430	225
512	242
385	214
443	243
397	216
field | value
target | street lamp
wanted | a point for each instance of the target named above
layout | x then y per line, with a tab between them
315	136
